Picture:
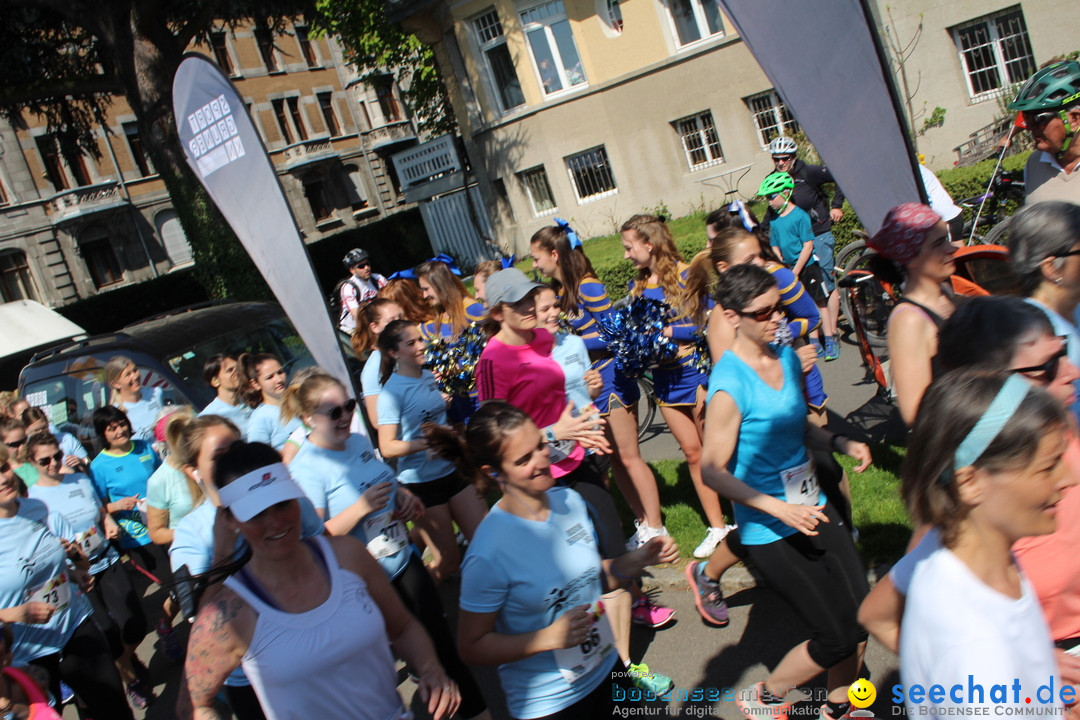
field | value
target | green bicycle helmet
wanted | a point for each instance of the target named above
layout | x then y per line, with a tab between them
776	182
1052	87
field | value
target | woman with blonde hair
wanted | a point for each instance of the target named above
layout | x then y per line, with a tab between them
142	407
679	385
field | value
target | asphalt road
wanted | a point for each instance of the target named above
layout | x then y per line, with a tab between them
693	654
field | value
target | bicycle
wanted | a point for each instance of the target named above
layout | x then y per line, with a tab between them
1005	187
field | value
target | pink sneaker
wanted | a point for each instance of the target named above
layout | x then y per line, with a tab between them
646	612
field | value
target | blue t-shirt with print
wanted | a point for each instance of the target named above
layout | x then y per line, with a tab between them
122	475
531	572
789	233
239	414
75	499
335	479
573	356
32	560
409	403
770	442
265	426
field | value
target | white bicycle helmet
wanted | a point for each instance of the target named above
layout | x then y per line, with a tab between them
782	146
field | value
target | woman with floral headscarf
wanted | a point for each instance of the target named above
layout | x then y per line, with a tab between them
916	238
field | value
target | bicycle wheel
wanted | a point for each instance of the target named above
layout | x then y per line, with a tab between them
850	252
869	299
847	252
996	235
646	408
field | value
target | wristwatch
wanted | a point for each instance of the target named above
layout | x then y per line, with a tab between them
549	435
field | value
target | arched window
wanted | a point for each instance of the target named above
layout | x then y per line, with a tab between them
172	237
16	283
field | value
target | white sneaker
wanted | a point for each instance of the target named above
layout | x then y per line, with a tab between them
647	533
634	541
712	538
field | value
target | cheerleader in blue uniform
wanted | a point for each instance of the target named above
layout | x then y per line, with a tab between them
679	383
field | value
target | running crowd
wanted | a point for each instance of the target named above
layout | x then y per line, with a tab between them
304	534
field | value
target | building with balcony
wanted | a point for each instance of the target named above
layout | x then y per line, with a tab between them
72	226
594	110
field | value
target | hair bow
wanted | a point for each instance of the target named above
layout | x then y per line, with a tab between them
508	262
571	236
738	207
410	274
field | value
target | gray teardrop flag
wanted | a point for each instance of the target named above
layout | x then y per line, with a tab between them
227	155
822	58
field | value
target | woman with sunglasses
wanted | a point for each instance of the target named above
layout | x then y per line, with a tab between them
356	494
914	243
755	455
1004	333
49	616
310	621
1044	242
118	609
13	435
36	421
986	469
409	400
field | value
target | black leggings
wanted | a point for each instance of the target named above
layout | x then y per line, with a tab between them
823	580
118	610
421	598
244	703
87	666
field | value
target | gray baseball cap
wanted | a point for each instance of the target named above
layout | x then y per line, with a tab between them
508	286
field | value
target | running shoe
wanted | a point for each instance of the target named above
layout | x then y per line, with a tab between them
832	349
835	711
646	612
140	694
649	681
713	537
169	642
66	693
708	597
753	706
644	534
817	346
634	541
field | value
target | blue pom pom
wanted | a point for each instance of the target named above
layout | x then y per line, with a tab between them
634	334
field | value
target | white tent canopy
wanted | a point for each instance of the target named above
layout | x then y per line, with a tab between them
25	325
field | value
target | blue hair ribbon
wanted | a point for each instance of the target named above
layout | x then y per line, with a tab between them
571	236
738	207
1003	407
508	262
410	274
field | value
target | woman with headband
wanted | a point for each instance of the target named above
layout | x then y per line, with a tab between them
916	239
985	469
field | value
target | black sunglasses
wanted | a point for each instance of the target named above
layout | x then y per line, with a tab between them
1049	369
337	411
762	315
5	468
1040	119
783	158
1067	253
46	461
362	264
17	444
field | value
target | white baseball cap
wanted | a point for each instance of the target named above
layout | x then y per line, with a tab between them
250	494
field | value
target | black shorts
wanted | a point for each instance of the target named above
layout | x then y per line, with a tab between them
813	279
438	492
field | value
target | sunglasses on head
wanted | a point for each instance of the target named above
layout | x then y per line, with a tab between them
1047	370
337	411
46	461
764	314
17	444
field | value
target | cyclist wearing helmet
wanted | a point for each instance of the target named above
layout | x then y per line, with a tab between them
1050	103
361	285
810	181
792	238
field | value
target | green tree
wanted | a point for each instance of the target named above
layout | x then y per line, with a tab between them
63	60
374	46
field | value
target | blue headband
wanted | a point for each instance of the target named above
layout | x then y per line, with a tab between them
410	274
1003	407
571	236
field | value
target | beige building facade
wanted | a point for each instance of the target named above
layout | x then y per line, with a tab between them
593	110
72	226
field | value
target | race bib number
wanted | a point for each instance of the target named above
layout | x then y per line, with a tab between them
578	661
388	537
55	592
90	541
800	484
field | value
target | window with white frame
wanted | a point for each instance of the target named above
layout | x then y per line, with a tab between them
695	20
551	44
591	175
496	60
699	140
771	117
994	52
537	187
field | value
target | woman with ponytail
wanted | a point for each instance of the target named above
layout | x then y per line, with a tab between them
262	384
409	401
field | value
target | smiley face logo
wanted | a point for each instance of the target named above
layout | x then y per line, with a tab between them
862	693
